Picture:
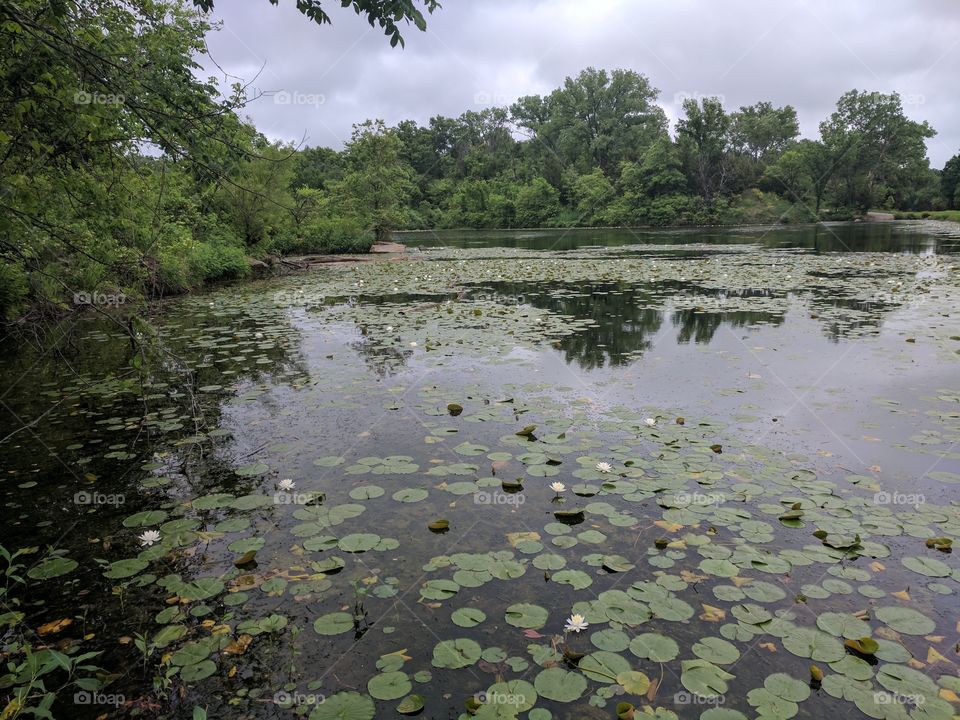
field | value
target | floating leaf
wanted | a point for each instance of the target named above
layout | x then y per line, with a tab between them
125	568
410	705
604	667
634	682
52	567
198	671
560	685
358	542
468	617
864	645
906	620
389	685
656	647
454	654
526	615
333	623
345	706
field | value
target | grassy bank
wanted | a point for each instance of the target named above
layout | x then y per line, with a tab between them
950	215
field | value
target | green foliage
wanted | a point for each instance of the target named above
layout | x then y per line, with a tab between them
203	192
703	136
537	203
376	186
950	182
385	13
597	119
876	150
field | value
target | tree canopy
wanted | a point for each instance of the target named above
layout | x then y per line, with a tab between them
120	169
383	13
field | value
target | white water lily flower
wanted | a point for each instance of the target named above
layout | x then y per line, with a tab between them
558	487
149	538
604	467
286	484
413	344
389	328
650	422
576	623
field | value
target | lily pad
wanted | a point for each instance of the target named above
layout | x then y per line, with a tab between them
560	685
345	706
389	685
526	615
333	623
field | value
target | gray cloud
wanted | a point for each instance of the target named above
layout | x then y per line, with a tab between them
804	53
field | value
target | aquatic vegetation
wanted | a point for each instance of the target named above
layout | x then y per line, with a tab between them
476	527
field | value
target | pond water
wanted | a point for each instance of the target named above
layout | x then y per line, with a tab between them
348	473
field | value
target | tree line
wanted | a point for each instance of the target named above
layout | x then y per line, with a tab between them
121	170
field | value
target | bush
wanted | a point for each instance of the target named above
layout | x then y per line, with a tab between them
328	235
210	261
537	203
13	289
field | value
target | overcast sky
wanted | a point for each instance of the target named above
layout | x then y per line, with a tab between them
479	53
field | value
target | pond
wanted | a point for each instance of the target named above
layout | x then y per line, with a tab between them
382	489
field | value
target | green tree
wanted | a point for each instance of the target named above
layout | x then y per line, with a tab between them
377	186
597	119
316	168
803	173
763	131
876	149
592	193
385	13
702	135
950	182
537	203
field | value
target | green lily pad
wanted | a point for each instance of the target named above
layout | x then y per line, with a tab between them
52	567
389	685
468	617
704	678
603	666
560	685
526	615
333	623
512	696
198	671
716	650
656	647
410	705
345	706
125	568
906	620
453	654
358	542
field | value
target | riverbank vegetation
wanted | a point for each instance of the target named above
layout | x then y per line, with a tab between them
125	173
